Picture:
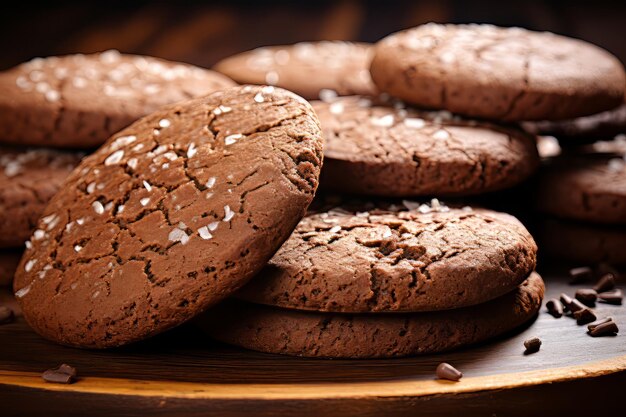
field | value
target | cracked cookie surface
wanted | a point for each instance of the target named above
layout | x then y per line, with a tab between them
78	101
378	149
587	186
498	73
170	216
291	332
305	68
28	180
377	260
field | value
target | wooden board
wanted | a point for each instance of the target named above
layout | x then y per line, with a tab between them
183	372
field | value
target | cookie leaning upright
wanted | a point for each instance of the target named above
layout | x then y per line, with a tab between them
498	73
170	216
78	101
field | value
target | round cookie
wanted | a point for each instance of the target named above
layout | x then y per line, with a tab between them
376	149
170	216
509	74
8	263
589	187
583	243
305	68
78	101
423	259
292	332
605	125
28	180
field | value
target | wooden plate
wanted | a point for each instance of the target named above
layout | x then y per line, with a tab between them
183	372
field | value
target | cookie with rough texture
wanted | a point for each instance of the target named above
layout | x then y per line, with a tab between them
424	259
378	149
589	187
305	68
28	180
498	73
583	243
8	263
336	335
605	125
170	216
79	101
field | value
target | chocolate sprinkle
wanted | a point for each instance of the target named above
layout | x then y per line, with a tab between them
580	274
611	297
596	323
532	345
587	296
64	374
584	316
449	372
555	307
606	283
604	329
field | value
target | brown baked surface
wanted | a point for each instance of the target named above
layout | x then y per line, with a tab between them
78	101
498	73
171	215
382	260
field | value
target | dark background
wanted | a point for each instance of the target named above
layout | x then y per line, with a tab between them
203	32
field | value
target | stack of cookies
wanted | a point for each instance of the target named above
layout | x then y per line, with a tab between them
202	205
455	275
72	103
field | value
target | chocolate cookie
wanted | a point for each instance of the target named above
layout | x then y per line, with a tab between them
171	215
589	187
498	73
376	149
582	243
605	125
292	332
8	263
428	258
80	100
305	68
28	180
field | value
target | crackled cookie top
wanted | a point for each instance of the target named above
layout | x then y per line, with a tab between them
80	100
171	215
376	148
28	180
498	73
306	68
429	257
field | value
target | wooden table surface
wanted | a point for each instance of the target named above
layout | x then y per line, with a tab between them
184	373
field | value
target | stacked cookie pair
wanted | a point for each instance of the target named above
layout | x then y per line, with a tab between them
72	103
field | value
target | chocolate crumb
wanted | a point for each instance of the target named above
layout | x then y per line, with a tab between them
555	307
566	300
64	374
580	274
596	323
584	316
606	283
6	315
587	296
532	345
604	329
449	372
611	297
